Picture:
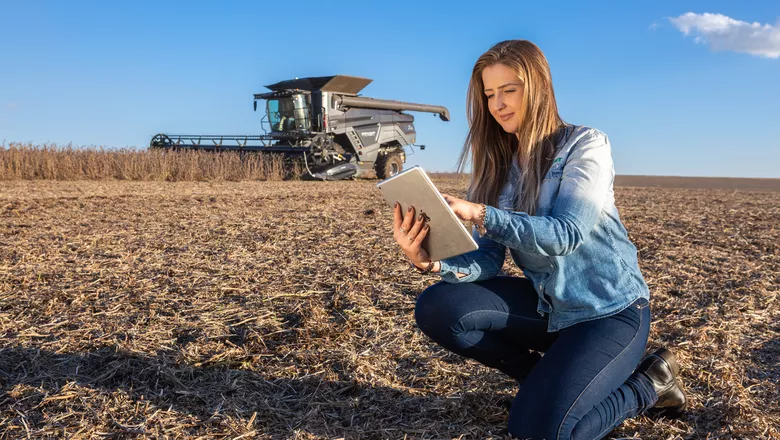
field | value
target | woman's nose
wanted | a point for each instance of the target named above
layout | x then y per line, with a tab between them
499	103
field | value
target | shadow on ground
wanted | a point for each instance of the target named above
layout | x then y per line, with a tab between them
34	379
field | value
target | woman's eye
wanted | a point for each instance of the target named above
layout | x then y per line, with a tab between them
509	91
489	96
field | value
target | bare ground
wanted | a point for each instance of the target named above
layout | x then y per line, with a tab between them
725	183
285	310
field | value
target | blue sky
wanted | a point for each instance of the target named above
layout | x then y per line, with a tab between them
705	103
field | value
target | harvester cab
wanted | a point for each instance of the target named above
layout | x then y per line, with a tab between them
288	112
338	133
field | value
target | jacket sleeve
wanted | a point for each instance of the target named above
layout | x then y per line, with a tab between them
480	264
585	185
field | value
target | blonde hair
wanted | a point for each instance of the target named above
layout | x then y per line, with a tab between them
491	148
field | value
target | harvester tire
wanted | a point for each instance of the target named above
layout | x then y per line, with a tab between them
389	164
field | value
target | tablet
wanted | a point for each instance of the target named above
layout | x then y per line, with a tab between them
447	236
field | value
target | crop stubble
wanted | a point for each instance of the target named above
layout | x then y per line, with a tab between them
285	310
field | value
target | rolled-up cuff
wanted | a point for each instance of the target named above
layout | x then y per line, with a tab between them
449	272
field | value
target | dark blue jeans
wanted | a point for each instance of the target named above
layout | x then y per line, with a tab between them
584	385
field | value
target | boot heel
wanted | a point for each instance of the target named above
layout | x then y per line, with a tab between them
662	369
669	413
670	359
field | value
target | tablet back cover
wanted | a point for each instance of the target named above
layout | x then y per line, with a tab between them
448	236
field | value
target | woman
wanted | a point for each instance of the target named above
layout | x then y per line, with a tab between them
543	189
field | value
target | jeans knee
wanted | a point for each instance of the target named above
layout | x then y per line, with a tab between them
529	420
428	303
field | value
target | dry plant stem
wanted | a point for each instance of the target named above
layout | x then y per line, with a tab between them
285	310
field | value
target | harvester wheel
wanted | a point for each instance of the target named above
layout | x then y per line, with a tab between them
389	164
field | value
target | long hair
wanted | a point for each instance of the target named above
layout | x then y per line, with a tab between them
491	149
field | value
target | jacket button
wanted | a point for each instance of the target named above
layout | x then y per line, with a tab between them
540	287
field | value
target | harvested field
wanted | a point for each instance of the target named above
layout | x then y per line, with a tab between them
285	310
725	183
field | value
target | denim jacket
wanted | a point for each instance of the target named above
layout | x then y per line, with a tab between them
574	249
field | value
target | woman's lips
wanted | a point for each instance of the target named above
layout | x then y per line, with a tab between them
506	117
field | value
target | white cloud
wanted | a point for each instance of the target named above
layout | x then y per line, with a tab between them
654	26
725	33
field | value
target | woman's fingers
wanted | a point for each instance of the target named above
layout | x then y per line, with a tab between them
421	236
453	202
397	217
416	227
408	222
460	207
410	231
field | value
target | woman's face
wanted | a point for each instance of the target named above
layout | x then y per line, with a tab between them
504	93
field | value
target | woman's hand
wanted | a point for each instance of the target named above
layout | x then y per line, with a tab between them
409	232
465	210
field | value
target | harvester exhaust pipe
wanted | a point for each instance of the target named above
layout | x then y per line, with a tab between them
357	101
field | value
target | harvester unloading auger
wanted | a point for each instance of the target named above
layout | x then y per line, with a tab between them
338	134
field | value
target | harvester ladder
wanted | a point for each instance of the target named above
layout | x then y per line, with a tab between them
354	138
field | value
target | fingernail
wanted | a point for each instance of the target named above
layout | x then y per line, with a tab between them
419	218
427	227
396	205
410	208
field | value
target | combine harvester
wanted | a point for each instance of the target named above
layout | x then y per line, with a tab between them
338	134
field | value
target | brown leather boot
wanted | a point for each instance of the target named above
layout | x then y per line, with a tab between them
662	369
